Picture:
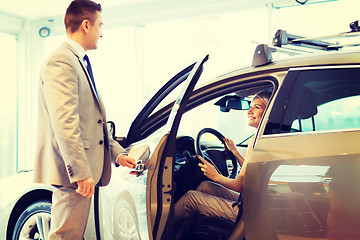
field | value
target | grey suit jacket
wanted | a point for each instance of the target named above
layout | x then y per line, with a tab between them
71	140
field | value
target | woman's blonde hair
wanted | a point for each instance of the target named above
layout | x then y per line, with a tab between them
264	96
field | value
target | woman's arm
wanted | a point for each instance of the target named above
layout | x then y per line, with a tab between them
233	184
231	146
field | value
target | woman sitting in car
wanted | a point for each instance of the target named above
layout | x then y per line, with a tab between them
221	197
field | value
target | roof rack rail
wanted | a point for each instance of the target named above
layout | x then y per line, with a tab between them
283	40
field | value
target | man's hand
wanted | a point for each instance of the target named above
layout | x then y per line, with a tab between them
126	161
208	169
86	187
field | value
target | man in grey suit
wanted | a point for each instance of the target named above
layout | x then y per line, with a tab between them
74	151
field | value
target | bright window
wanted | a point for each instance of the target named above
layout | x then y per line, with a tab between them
8	103
342	113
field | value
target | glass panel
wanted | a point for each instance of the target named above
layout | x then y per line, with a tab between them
339	114
8	103
325	100
342	113
232	124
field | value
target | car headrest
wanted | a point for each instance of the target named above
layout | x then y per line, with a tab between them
307	107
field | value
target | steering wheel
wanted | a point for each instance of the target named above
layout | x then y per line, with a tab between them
216	157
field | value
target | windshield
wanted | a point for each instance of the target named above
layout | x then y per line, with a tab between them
233	124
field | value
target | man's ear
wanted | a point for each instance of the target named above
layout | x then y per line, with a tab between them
85	25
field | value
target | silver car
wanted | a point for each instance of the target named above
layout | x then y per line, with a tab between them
302	179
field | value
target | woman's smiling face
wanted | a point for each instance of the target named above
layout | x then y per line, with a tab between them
255	112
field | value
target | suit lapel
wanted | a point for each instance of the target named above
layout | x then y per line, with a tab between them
96	96
88	78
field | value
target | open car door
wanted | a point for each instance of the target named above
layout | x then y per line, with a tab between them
144	124
159	189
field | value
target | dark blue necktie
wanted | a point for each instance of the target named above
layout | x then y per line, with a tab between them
88	66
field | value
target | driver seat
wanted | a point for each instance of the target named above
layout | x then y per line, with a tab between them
214	228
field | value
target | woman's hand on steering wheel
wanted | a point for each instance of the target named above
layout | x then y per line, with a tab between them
221	156
230	145
208	169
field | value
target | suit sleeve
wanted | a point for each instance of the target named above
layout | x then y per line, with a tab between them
116	150
62	97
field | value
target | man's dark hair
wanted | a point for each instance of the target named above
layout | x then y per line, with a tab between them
78	11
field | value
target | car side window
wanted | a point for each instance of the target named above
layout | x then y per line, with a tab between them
323	99
343	113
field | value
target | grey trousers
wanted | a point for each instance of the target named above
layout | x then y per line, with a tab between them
210	199
69	214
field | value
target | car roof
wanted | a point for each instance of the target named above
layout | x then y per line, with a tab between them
313	60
